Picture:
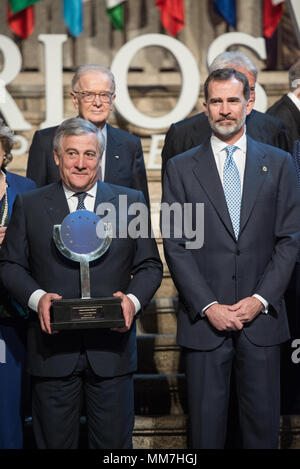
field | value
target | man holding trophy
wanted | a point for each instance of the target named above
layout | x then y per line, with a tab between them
81	331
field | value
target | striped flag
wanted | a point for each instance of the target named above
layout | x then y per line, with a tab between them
172	15
115	11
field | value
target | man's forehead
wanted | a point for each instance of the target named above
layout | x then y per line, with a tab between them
220	88
93	77
87	139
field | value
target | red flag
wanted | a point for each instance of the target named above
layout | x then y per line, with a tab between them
172	15
272	16
22	23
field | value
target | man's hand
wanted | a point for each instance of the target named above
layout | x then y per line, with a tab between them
128	309
44	310
247	309
2	234
222	318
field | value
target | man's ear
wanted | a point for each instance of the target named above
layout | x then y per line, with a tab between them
56	158
205	108
249	107
112	100
74	99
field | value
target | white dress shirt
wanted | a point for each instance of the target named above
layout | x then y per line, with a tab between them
89	203
239	156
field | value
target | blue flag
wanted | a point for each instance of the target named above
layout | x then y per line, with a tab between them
73	16
226	8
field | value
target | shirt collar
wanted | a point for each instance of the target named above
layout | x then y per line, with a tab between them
218	145
69	193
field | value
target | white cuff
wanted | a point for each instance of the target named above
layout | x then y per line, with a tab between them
265	310
205	308
135	301
34	299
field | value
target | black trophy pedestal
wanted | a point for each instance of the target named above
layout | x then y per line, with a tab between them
87	313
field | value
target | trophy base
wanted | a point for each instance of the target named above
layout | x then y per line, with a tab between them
89	313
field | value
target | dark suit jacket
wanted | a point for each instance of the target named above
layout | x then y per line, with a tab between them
127	170
30	260
191	132
226	270
16	185
288	112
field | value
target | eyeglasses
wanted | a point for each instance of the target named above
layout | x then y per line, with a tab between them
90	96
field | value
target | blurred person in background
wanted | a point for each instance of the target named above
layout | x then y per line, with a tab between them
12	323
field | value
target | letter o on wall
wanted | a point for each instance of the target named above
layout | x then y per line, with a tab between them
190	81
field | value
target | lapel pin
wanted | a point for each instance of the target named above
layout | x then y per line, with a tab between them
264	168
117	156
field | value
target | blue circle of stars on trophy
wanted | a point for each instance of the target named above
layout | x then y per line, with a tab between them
78	232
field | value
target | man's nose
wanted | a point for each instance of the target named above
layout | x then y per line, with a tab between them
97	101
224	109
80	162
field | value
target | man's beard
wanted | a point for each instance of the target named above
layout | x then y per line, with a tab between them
227	130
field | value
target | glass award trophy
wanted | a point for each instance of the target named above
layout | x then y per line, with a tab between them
77	239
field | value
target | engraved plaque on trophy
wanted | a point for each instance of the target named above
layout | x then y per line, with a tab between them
78	240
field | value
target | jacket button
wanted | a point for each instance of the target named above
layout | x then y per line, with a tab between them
238	252
233	277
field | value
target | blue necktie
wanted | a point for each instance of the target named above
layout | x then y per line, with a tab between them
81	196
232	188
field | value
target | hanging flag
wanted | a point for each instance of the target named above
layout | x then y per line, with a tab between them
19	5
227	9
272	16
115	11
73	16
21	23
172	15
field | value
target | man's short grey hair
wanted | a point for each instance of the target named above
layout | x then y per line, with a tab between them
7	141
294	76
234	59
93	68
77	126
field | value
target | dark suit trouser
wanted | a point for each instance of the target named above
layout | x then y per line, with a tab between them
57	409
257	372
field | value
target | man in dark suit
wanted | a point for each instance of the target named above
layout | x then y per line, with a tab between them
287	108
94	363
231	312
191	132
93	94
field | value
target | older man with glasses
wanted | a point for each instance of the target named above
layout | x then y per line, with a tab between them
93	94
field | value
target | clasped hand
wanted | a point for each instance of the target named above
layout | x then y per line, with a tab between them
233	318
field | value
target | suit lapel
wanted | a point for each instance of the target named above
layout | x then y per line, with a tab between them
254	177
56	203
104	194
112	162
206	172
